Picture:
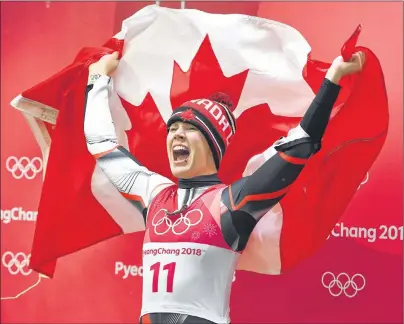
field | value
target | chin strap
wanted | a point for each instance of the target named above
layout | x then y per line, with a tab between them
189	195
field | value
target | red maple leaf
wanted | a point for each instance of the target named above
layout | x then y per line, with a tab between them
257	128
203	78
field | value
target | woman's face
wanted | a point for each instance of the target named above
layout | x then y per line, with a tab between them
188	152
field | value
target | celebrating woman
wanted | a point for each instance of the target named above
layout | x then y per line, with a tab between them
196	230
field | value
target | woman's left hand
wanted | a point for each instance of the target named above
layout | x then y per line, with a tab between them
339	68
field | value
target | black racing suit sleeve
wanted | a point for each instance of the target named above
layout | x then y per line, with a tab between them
250	198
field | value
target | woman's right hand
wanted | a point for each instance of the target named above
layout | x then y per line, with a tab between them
105	65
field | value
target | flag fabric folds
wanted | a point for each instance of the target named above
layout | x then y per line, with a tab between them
169	56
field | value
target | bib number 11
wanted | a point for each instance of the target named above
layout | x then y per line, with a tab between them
170	268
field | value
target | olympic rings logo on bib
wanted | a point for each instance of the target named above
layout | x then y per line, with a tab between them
163	223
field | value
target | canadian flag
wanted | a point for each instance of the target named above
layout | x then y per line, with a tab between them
169	56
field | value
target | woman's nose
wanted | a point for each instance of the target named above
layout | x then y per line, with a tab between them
179	133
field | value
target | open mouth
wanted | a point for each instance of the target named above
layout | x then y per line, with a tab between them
180	154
